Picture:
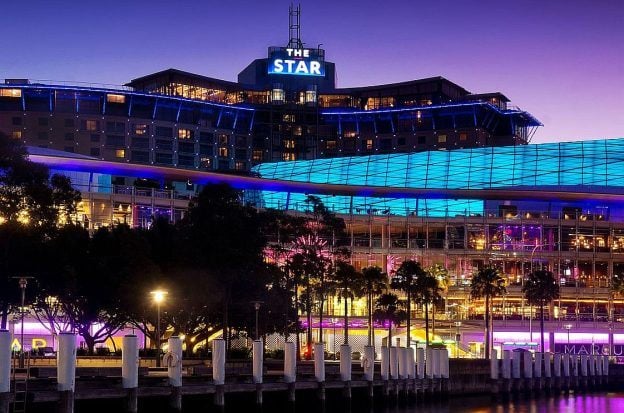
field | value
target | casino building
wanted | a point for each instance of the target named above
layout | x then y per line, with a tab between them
422	169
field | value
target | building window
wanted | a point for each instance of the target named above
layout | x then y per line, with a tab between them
17	121
287	156
401	141
331	145
288	117
205	162
240	166
223	139
297	130
120	153
441	138
16	134
112	98
385	144
240	154
69	123
164	132
368	144
422	140
43	121
95	152
463	136
11	93
223	152
69	136
257	155
141	129
289	144
185	134
95	137
90	125
42	135
115	127
164	158
241	141
206	137
206	150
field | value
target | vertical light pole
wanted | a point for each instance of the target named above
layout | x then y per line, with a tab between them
23	283
457	338
568	327
158	296
257	305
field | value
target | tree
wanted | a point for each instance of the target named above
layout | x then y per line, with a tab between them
374	283
427	291
540	289
487	283
389	310
405	280
347	285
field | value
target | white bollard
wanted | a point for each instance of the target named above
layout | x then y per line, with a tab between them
575	365
506	364
527	359
394	363
547	365
584	360
368	363
258	361
66	362
385	363
130	362
592	365
319	362
557	365
444	363
565	361
290	362
5	361
537	365
605	365
173	360
437	363
515	364
403	363
429	362
218	361
420	363
411	361
494	365
345	362
599	365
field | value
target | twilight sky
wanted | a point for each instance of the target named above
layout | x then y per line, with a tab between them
561	60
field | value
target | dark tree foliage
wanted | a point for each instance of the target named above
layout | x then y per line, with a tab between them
540	289
389	309
374	283
347	285
487	283
405	280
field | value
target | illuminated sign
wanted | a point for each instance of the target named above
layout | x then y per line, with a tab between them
299	62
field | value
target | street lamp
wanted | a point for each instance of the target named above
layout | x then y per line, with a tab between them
159	297
257	305
457	338
568	327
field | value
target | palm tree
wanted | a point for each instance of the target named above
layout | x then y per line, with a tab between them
440	273
487	283
388	308
405	280
427	291
540	289
347	284
617	289
375	282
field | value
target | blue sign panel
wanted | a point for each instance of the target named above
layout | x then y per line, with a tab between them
299	62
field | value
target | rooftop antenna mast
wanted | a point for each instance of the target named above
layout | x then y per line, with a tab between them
294	27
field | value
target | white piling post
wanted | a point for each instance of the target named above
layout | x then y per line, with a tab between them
599	365
557	365
506	364
565	360
537	365
403	363
319	362
584	360
515	364
130	362
575	365
494	365
5	370
368	362
345	362
411	363
547	365
528	364
605	365
257	359
429	362
420	363
385	363
394	363
218	361
290	362
444	364
592	365
173	361
66	371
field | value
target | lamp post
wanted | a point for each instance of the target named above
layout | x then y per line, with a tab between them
52	303
457	338
257	305
568	327
159	297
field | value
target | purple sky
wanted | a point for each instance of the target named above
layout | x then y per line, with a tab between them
563	61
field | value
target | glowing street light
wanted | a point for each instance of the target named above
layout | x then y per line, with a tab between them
568	327
159	297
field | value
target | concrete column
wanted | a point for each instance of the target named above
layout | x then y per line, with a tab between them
403	363
557	365
537	365
258	367
66	371
218	361
394	363
494	365
290	362
565	360
515	364
547	365
173	360
592	365
368	362
528	364
429	362
345	362
420	363
385	363
130	371
506	364
444	364
411	363
584	360
319	362
5	370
